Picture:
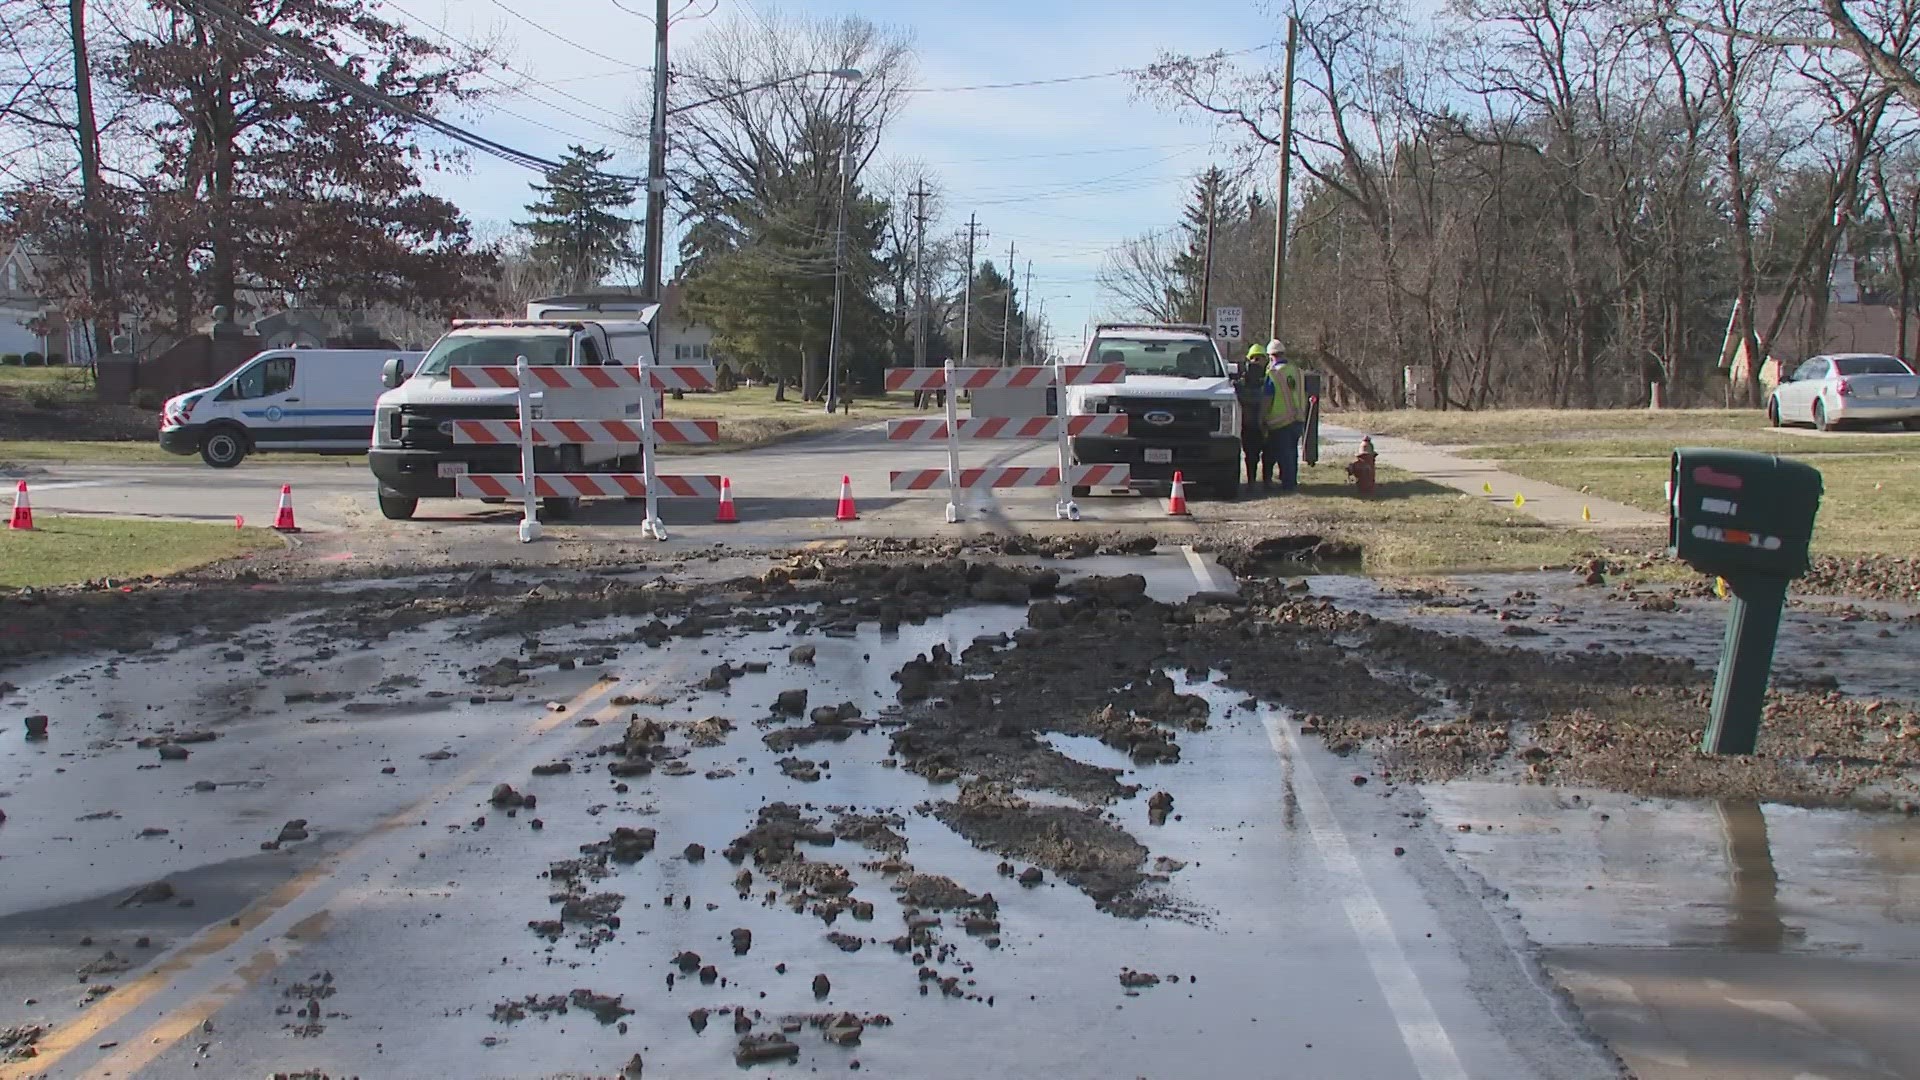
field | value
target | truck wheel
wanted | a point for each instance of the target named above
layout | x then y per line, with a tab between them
1081	491
1913	423
1226	485
397	507
224	447
559	508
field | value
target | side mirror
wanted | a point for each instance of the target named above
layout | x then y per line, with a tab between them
1233	370
392	374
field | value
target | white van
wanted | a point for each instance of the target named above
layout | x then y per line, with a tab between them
309	400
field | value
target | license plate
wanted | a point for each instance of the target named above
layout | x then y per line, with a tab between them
1159	456
448	469
1888	391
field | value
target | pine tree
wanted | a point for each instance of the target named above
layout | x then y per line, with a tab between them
1210	189
577	226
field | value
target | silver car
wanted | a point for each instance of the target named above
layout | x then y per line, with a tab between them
1848	388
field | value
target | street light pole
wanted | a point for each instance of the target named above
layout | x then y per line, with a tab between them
840	242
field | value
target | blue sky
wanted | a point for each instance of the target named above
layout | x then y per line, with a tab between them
1062	171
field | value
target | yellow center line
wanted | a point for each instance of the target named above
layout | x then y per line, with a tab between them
115	1006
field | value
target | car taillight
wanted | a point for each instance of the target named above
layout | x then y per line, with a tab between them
1843	388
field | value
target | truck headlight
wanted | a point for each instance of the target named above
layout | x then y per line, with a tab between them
386	427
1229	417
1092	405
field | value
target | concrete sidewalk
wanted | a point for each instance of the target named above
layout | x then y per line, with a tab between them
1545	502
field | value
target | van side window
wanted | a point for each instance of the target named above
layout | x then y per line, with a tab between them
589	353
264	379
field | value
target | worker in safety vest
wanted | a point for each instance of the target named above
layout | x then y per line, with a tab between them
1252	390
1286	419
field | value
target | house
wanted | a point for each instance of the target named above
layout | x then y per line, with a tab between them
28	323
1852	325
683	340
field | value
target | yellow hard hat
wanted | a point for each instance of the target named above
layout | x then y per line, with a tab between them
1257	351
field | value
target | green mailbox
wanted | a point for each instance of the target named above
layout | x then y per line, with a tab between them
1747	518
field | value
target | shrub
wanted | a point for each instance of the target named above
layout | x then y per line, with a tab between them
34	359
11	359
56	359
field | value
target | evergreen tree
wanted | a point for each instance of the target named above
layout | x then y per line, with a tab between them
577	226
1210	189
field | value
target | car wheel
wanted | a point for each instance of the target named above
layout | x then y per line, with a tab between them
1773	411
223	448
1820	416
397	507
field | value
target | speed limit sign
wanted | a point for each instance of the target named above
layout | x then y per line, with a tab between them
1226	323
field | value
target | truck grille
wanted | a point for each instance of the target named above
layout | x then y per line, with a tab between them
419	426
1178	418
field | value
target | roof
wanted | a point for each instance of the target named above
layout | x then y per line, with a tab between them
1865	329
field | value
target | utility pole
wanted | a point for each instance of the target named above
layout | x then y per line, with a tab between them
657	159
919	196
1206	256
1028	293
1286	174
104	324
839	256
1006	308
966	293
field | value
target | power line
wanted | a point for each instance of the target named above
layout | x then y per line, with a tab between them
504	66
1058	80
558	36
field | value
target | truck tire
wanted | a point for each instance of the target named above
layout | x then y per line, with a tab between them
559	508
1225	485
397	507
1081	491
224	446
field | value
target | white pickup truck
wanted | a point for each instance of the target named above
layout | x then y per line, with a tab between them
1182	414
414	456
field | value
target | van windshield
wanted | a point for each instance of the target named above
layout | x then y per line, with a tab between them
1179	357
541	350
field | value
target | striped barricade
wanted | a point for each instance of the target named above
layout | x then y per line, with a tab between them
586	486
920	429
942	378
650	432
585	432
661	377
952	430
1011	476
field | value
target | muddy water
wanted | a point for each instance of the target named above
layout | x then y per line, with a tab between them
1711	939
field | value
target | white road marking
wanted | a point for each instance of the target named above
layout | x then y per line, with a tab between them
56	485
1420	1029
1784	1011
1201	572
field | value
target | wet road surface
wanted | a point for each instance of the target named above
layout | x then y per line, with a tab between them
1310	926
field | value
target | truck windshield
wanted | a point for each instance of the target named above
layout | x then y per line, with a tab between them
1179	357
541	350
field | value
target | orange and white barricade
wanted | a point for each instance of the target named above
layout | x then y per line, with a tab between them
650	432
1060	429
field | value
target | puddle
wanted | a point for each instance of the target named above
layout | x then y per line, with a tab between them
1089	750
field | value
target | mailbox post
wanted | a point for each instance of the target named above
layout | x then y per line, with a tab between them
1747	518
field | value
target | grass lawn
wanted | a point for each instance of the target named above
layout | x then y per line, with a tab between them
1412	526
68	550
43	450
750	417
1457	428
60	383
1871	505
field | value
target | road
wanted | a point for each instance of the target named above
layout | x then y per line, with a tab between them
343	897
784	493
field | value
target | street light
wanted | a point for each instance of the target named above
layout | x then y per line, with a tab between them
851	75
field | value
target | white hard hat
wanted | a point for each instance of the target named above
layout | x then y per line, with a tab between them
1274	348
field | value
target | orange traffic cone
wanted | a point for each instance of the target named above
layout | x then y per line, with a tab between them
726	515
22	509
283	520
846	512
1177	504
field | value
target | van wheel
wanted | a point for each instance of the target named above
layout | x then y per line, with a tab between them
559	508
223	448
397	507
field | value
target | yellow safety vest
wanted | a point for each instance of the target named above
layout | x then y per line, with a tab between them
1288	405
